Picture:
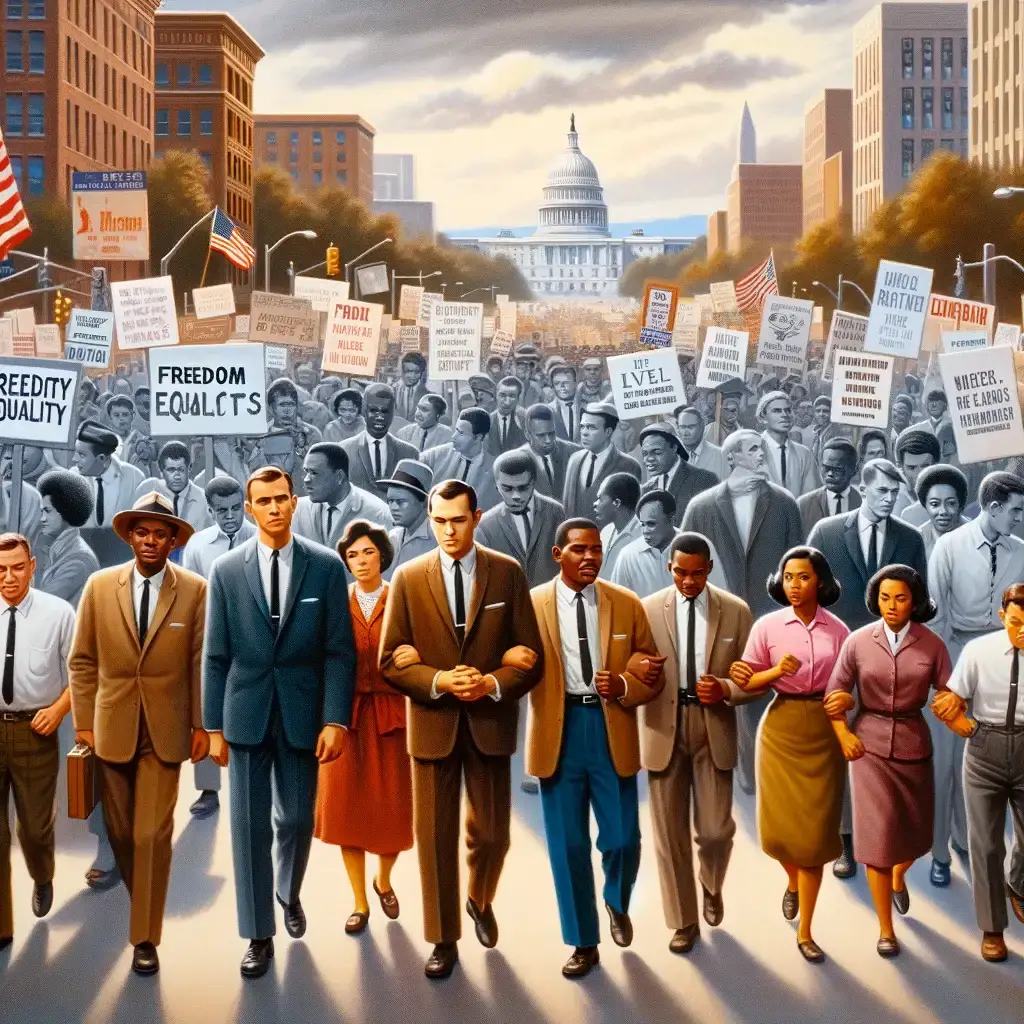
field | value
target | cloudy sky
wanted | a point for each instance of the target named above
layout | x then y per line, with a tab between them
481	90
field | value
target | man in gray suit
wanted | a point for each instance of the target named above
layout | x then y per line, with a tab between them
566	406
427	430
700	453
374	453
506	428
278	685
550	452
599	459
667	467
838	467
466	458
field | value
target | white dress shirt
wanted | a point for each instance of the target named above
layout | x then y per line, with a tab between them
864	530
138	588
774	451
982	673
599	463
614	542
830	501
743	506
340	511
643	569
700	636
504	426
567	414
43	630
568	634
371	445
531	511
284	569
663	480
206	546
895	639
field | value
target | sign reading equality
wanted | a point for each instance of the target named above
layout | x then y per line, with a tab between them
37	401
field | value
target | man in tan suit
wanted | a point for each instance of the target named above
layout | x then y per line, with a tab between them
688	734
135	672
461	607
582	739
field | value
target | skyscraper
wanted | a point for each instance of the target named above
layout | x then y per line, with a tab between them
747	152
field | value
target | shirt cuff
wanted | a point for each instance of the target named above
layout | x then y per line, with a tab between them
336	725
625	692
434	695
496	693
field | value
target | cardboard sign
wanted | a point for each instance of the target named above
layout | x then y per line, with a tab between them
818	324
409	339
785	332
6	336
283	320
707	306
501	344
646	384
898	310
24	320
353	338
861	387
455	336
47	338
963	341
323	293
372	279
488	327
89	337
686	331
208	391
427	301
724	357
242	325
983	404
723	297
110	216
946	313
38	401
144	313
847	331
659	309
204	332
217	300
409	302
508	317
1006	336
275	357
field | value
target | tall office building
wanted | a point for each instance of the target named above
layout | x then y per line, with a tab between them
718	233
394	177
765	203
996	34
828	132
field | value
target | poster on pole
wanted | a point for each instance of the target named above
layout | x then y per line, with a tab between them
847	331
785	332
409	338
283	320
38	401
501	344
508	317
110	216
1006	336
646	384
724	357
983	404
47	340
659	308
861	387
899	309
322	292
455	336
353	338
409	302
373	279
723	297
946	313
217	300
963	341
686	330
210	391
89	337
144	313
275	358
427	300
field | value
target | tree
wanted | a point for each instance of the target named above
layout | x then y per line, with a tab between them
668	267
825	252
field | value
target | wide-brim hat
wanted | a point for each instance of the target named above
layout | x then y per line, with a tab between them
413	476
152	506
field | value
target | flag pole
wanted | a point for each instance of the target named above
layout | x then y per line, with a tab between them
202	280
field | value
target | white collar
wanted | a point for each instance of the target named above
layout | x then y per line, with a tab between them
771	440
155	582
467	563
285	553
700	601
898	637
864	524
567	596
25	606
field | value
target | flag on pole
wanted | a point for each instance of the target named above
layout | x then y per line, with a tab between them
753	288
227	238
14	225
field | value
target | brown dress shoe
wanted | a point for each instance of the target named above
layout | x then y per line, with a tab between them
620	926
684	939
442	960
145	959
486	925
993	947
887	948
1016	903
714	910
581	961
810	951
388	902
790	904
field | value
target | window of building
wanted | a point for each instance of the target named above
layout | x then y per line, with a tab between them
205	74
163	122
37	53
36	114
339	138
908	109
293	156
341	156
318	177
947	59
927	148
15	9
318	138
15	55
205	122
927	58
16	170
965	108
318	156
184	74
37	9
163	75
963	58
341	177
272	156
185	122
908	157
14	109
293	139
271	138
908	58
948	144
207	159
927	108
295	177
35	176
947	110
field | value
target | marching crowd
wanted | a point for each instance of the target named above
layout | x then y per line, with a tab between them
346	614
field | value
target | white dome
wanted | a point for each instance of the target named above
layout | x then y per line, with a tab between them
573	200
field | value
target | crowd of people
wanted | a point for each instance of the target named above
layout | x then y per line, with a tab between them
352	614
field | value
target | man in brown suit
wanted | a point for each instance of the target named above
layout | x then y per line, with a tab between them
135	671
688	733
461	607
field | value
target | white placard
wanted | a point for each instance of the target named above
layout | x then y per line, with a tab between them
6	336
207	390
707	306
899	309
847	331
818	324
785	332
1006	336
502	300
241	330
861	387
37	401
723	297
409	303
488	327
373	279
409	338
963	341
686	332
144	313
217	300
322	292
659	310
353	338
24	320
508	317
646	383
724	357
455	336
275	357
427	301
47	340
501	344
946	313
983	404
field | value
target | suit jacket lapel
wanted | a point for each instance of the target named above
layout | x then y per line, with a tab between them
668	609
435	584
764	497
509	529
889	546
364	456
549	622
725	509
852	537
483	564
252	576
714	617
299	565
125	603
604	621
163	605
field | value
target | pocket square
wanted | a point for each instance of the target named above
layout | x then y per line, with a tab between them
309	600
499	604
726	639
620	636
177	625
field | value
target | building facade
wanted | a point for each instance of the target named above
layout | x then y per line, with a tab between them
318	150
394	177
837	189
765	203
996	36
828	132
718	233
910	96
415	217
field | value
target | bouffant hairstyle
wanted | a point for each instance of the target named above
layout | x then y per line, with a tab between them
924	606
69	494
931	476
377	535
352	395
829	589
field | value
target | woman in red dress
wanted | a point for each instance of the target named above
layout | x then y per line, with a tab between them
364	798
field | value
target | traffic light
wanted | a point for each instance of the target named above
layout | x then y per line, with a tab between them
333	261
61	308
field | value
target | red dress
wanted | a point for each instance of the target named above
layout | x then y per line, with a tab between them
364	798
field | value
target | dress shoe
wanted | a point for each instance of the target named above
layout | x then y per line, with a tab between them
845	866
100	880
442	961
887	948
993	947
714	910
684	939
581	961
42	899
790	904
206	806
529	784
939	875
256	961
1016	903
388	902
486	925
356	922
810	951
901	899
294	918
620	926
144	959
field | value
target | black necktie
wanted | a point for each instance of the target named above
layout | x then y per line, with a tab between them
551	476
100	510
586	665
992	549
231	542
525	516
873	551
275	590
423	441
590	471
691	643
782	463
176	504
839	503
330	522
504	431
465	469
460	603
8	687
568	422
377	471
1011	708
144	613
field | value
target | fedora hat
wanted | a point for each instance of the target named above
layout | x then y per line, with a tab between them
152	506
413	476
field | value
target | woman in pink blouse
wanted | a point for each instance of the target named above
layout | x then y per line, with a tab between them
800	768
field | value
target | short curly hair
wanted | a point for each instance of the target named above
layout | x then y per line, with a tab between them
377	535
924	607
829	588
69	494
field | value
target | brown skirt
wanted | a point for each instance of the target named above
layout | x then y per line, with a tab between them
893	810
801	774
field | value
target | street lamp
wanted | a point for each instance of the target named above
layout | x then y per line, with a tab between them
492	288
835	297
421	277
269	249
1006	191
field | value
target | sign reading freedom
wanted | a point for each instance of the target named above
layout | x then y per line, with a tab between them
37	401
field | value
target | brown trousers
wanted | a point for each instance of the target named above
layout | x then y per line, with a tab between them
690	771
437	787
138	808
29	765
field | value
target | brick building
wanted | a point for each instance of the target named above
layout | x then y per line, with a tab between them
765	203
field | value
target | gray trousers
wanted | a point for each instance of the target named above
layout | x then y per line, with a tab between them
993	779
950	813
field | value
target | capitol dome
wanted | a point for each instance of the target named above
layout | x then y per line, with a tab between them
573	202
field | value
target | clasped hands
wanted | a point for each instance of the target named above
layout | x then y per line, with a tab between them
742	674
465	682
951	709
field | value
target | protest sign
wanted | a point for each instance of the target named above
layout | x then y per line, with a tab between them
659	309
283	320
502	300
144	312
110	215
785	332
1006	336
24	320
323	293
47	337
659	339
501	344
37	401
487	331
409	339
409	302
353	338
275	357
89	337
209	391
983	404
686	331
898	309
860	390
707	306
963	341
818	324
427	300
217	300
946	313
646	384
242	325
372	279
24	346
204	332
723	297
724	357
507	317
6	336
455	330
847	331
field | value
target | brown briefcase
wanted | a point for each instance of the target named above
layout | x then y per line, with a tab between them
83	782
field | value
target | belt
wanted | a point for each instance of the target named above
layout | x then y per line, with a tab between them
801	696
895	715
18	716
688	700
584	699
1013	730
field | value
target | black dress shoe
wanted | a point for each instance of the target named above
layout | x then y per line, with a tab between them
144	959
581	961
100	880
939	875
206	806
486	925
442	960
714	909
1016	903
620	926
529	784
845	866
684	939
901	900
256	961
42	899
887	948
294	918
790	904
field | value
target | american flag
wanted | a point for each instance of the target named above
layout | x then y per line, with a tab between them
753	288
226	237
14	225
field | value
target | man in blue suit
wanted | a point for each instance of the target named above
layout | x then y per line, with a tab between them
278	683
